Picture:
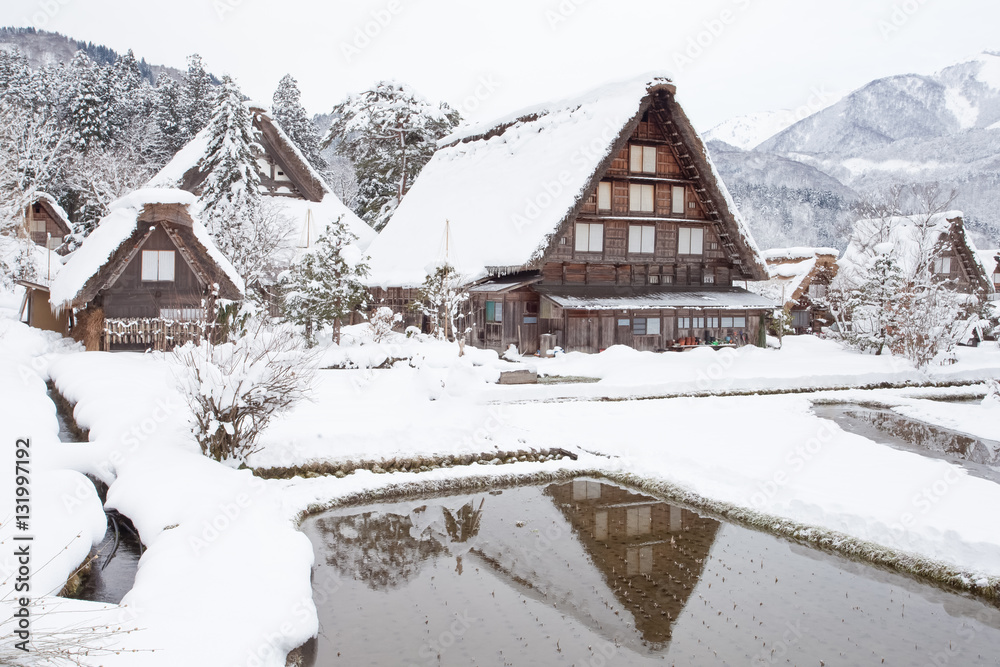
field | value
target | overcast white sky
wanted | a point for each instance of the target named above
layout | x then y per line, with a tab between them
729	57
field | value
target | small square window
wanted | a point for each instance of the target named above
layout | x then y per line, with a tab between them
641	239
708	279
641	198
654	280
589	237
690	240
642	159
623	322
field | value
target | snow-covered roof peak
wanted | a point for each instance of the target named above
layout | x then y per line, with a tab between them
646	83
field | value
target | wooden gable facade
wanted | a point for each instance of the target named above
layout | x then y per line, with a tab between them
45	223
647	258
958	262
284	172
157	290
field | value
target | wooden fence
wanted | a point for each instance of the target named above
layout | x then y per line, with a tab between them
150	333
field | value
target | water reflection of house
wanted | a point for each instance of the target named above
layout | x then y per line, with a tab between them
651	554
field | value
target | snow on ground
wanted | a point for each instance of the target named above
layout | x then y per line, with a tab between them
66	518
226	576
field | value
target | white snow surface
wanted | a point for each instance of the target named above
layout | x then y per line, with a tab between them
228	541
115	228
501	199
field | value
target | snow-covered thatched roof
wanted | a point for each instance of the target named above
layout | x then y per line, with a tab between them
910	240
791	270
318	206
82	275
55	210
505	188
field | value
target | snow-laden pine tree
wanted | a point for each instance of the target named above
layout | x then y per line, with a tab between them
126	99
324	285
169	135
389	133
866	308
291	116
89	105
231	190
197	99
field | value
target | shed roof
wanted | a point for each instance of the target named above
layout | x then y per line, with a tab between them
590	297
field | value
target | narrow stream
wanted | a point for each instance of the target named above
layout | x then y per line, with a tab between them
978	456
113	572
591	573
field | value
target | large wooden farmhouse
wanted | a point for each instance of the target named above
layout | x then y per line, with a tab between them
600	220
800	279
147	277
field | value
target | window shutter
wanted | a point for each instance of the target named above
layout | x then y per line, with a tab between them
635	159
677	199
596	237
634	238
149	258
604	196
648	239
697	240
648	192
165	270
684	241
649	159
582	236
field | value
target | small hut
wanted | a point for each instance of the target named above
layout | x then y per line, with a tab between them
799	280
148	277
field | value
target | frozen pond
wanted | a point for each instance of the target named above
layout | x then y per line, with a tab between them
887	427
589	573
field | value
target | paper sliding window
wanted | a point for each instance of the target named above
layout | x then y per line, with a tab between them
690	240
157	265
642	159
641	238
589	237
641	198
677	199
604	195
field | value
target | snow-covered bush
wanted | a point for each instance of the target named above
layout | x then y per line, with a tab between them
992	399
383	321
443	299
235	388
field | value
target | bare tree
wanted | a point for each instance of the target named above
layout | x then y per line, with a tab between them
234	389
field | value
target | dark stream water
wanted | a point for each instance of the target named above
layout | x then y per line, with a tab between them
590	573
978	456
113	572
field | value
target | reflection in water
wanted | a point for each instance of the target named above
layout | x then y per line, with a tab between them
890	428
590	573
651	554
385	550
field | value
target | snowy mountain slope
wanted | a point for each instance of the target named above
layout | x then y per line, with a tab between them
750	130
51	48
940	128
910	106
